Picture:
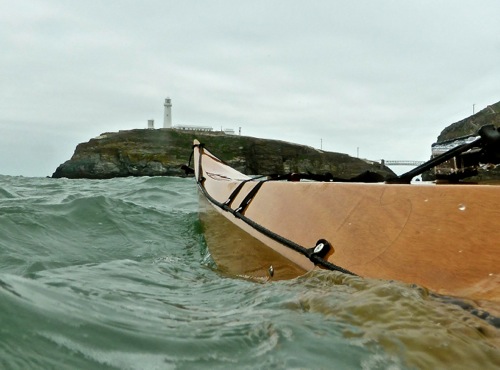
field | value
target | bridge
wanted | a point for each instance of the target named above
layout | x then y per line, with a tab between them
401	163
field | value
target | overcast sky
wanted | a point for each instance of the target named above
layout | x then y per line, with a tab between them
383	76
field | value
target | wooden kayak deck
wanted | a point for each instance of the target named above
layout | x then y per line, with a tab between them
443	237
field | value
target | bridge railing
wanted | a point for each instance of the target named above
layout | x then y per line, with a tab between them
401	162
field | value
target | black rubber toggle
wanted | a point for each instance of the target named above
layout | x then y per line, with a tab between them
321	249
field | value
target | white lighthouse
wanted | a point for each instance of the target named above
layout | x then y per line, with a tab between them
167	116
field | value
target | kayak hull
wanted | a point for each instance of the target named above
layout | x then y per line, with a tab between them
443	237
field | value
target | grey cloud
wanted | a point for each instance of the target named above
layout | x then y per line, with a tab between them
383	76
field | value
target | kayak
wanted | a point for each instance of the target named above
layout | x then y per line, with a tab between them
444	237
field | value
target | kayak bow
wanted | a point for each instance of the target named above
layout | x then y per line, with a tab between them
443	237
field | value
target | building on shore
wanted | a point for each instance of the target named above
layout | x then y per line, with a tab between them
193	128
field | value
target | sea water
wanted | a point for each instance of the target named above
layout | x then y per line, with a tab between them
115	274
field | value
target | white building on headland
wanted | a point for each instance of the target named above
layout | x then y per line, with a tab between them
151	124
167	115
193	128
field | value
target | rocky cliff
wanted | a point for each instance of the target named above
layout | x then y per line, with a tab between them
162	152
470	125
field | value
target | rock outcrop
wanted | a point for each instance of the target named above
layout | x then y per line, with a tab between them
162	152
470	125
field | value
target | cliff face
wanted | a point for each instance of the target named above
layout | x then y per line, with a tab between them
162	152
469	126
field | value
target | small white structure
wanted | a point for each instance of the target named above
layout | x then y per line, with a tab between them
193	128
229	131
151	124
167	116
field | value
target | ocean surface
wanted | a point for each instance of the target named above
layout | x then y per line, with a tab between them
115	274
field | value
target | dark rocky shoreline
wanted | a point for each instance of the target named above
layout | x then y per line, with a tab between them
162	152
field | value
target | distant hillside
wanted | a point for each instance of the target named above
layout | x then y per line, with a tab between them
161	152
470	125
